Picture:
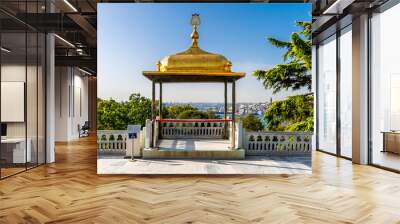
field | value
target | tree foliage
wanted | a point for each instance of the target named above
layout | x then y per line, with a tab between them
110	115
293	114
187	111
296	112
139	109
252	123
113	115
193	114
295	74
174	111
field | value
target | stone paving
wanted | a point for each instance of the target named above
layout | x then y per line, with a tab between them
251	165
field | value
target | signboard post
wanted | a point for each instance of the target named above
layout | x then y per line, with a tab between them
133	133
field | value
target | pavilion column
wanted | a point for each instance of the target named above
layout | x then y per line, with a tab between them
233	114
160	102
225	108
160	110
153	111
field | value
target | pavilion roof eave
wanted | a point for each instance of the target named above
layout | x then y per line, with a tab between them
193	76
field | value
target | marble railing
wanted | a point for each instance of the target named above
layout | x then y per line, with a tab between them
112	141
213	129
277	143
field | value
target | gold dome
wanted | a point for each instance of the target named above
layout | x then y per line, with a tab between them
194	59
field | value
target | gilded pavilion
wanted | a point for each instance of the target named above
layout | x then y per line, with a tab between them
193	65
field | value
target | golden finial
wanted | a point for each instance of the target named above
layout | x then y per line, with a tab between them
195	21
158	66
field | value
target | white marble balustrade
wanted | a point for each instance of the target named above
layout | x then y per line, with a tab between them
196	129
277	143
112	142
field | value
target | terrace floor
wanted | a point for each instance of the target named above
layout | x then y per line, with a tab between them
251	165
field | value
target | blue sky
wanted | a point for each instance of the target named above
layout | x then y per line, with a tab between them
134	37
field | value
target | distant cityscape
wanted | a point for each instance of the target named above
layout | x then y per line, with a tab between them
257	109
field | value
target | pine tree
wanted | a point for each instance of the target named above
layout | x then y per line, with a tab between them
296	112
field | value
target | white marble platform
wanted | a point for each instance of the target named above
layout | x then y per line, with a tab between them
252	165
194	144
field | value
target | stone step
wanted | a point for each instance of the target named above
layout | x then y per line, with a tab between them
193	154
